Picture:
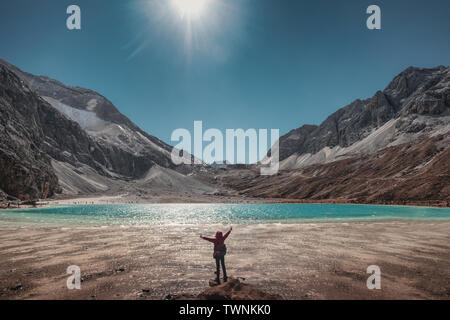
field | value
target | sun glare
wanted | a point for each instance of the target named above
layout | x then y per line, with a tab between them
190	8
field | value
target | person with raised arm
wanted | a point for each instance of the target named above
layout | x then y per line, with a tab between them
220	250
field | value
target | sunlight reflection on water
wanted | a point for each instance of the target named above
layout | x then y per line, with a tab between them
164	214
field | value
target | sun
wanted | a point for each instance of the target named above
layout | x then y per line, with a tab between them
190	8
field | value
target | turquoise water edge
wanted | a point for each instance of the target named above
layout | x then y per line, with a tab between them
164	214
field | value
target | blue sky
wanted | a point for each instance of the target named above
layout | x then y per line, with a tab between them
246	64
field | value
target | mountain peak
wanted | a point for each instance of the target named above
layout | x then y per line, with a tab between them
57	135
415	91
408	81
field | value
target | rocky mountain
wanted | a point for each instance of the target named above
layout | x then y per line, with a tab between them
415	103
31	131
391	148
103	123
57	138
416	172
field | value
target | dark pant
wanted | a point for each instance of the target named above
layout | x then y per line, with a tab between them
221	260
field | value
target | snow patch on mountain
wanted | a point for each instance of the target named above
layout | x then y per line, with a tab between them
88	120
92	104
119	135
388	135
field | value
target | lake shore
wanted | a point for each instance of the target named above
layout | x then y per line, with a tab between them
297	261
177	198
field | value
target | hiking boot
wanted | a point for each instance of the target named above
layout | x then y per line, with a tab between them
225	279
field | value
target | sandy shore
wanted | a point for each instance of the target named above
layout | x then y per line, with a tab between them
127	198
297	261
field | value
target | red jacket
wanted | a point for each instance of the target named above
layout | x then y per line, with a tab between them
219	240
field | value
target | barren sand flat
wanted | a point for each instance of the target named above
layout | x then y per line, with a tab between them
297	261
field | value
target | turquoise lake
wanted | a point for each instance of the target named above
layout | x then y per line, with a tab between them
163	214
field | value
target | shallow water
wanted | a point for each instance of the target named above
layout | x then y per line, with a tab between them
166	214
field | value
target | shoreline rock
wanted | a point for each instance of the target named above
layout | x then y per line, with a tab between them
233	289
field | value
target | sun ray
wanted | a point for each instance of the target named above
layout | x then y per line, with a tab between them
190	9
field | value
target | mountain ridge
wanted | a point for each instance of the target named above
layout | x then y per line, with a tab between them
58	139
407	96
85	144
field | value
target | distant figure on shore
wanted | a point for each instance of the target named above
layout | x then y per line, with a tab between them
220	250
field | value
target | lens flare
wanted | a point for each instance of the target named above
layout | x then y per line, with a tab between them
190	8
